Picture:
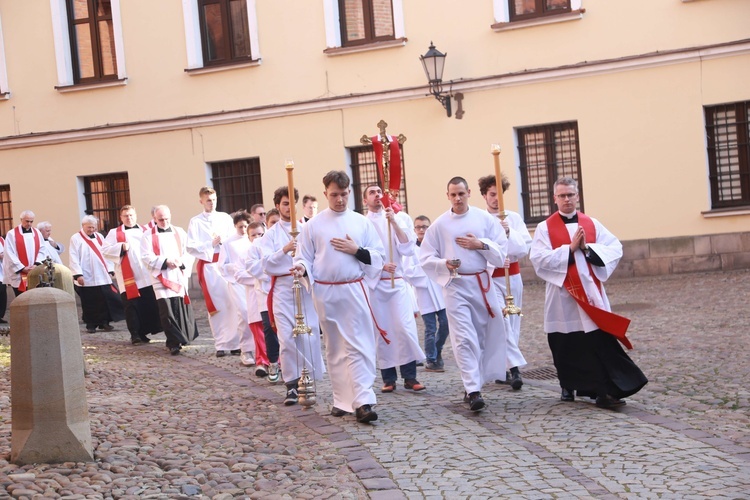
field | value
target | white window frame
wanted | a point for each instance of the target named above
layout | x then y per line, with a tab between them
333	22
193	33
501	10
4	89
63	55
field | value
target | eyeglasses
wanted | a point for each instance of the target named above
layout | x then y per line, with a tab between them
566	196
421	228
262	214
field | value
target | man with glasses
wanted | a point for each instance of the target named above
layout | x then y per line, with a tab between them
430	302
258	213
24	249
575	254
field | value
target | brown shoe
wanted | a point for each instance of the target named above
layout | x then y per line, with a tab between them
388	387
414	385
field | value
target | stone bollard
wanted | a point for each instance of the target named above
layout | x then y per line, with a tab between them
50	416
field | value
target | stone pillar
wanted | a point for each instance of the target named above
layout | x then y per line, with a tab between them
50	416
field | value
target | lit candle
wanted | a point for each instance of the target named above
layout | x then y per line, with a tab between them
290	183
495	150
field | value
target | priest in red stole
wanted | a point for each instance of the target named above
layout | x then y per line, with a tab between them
575	254
24	249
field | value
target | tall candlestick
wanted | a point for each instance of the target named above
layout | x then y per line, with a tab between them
290	183
495	149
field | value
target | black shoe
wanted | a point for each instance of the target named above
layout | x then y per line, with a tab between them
291	397
506	381
515	381
365	414
106	327
608	402
136	341
2	321
235	352
466	397
567	395
90	329
338	412
476	403
174	351
221	354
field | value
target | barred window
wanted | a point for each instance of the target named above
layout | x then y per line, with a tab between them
237	184
365	173
6	210
105	194
727	132
547	152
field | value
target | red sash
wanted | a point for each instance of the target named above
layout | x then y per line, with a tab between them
171	285
128	278
483	289
23	256
515	268
382	332
201	268
96	251
607	321
269	300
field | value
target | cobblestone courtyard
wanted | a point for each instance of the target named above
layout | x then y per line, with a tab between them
199	426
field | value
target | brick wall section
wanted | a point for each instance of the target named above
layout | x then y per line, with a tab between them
683	254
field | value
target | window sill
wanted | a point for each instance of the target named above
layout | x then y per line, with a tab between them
560	18
222	67
339	51
4	96
726	212
89	86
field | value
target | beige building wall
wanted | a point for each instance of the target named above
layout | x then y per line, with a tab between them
635	78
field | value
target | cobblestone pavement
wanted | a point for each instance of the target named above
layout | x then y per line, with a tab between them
200	426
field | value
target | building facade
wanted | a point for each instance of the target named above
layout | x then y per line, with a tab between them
646	103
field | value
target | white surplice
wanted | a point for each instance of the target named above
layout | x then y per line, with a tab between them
519	243
84	260
561	312
304	349
201	231
231	260
112	252
341	301
12	263
478	339
392	301
170	247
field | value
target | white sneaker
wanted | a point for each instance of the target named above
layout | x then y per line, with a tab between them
261	371
274	373
247	359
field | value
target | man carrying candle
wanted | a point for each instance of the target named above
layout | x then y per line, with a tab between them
574	254
277	247
206	232
475	239
337	249
519	241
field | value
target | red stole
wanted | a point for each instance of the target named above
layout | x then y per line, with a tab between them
96	251
607	321
393	183
201	268
171	285
128	278
23	256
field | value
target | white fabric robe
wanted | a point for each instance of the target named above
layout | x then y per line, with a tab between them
168	249
231	256
348	329
302	349
561	312
254	267
11	262
243	277
519	242
392	305
478	340
2	259
429	294
112	250
201	231
84	261
54	253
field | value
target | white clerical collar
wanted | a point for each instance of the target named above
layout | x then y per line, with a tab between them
208	215
568	216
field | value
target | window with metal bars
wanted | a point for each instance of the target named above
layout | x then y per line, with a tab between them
547	152
728	145
365	21
92	40
365	173
6	210
225	31
530	9
105	194
237	184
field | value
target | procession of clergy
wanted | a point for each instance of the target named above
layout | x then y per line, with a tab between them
364	278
